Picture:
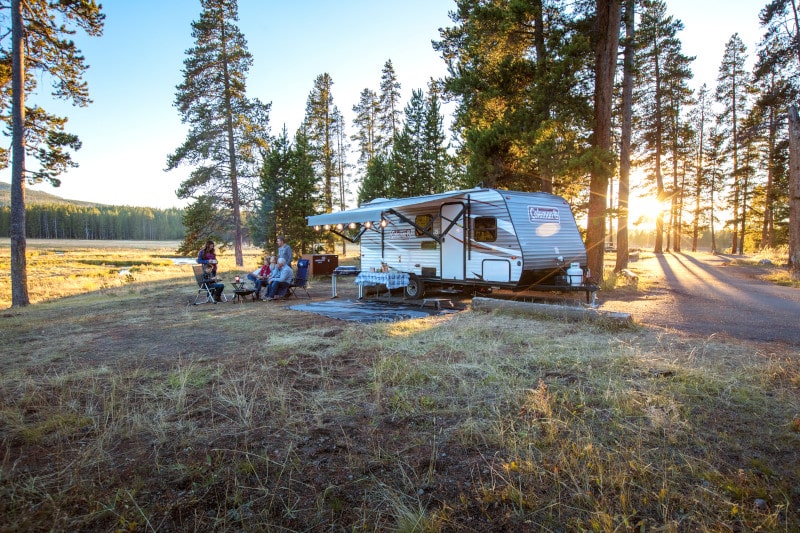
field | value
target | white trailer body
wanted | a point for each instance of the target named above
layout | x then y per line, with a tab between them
475	237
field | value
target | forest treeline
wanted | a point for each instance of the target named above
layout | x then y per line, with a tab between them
522	86
103	222
523	89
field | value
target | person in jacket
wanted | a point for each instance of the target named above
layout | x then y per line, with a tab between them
284	250
208	258
260	276
280	280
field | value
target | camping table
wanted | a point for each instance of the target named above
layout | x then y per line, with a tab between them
392	280
240	292
341	271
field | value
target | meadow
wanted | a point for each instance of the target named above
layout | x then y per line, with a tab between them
125	408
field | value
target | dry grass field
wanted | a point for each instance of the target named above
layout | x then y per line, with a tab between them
125	408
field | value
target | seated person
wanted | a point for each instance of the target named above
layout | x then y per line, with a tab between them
280	280
208	258
261	276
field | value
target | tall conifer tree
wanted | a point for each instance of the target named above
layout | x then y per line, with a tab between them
390	114
626	133
321	129
602	166
39	46
772	78
658	47
732	89
227	131
366	127
699	117
518	72
782	22
304	196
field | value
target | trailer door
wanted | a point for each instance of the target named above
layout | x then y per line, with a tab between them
453	258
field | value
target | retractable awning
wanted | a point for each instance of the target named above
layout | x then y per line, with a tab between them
373	211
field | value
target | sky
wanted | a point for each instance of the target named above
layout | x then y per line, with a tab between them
132	126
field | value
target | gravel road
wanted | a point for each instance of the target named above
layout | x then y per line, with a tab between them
705	294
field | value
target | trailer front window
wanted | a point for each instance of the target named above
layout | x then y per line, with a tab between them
485	229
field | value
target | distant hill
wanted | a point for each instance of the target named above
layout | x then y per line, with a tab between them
39	197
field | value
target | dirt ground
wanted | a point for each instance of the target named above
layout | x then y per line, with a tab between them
710	295
332	448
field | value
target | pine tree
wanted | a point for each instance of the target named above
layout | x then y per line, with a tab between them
409	178
517	72
303	197
626	134
775	92
679	136
732	95
419	160
366	125
714	176
663	69
39	46
273	183
489	73
435	159
782	23
602	165
389	112
342	166
699	117
320	126
228	131
377	180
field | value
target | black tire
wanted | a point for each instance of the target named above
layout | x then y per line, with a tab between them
415	288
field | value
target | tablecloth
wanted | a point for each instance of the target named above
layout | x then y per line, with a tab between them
392	280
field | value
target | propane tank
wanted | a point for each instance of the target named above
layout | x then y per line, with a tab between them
574	275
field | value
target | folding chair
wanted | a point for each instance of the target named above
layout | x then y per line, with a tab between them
300	280
204	283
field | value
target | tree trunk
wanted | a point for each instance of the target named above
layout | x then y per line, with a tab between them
698	176
546	172
625	141
19	267
658	246
608	20
735	141
237	216
745	185
794	193
768	225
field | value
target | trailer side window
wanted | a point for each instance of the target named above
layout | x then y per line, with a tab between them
422	221
485	229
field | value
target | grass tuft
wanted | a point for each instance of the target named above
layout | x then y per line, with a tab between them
125	409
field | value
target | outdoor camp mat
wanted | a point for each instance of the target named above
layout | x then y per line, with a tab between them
369	311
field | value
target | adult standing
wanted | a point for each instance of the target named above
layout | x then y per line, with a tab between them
284	251
208	258
280	281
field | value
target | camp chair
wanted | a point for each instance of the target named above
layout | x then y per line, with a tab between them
300	280
204	286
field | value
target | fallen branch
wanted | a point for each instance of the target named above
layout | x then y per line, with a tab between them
552	310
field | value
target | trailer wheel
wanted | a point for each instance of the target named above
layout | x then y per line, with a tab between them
415	288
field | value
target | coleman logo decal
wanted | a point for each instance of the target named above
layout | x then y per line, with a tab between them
543	214
401	234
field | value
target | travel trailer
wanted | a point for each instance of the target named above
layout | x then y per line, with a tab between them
476	239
